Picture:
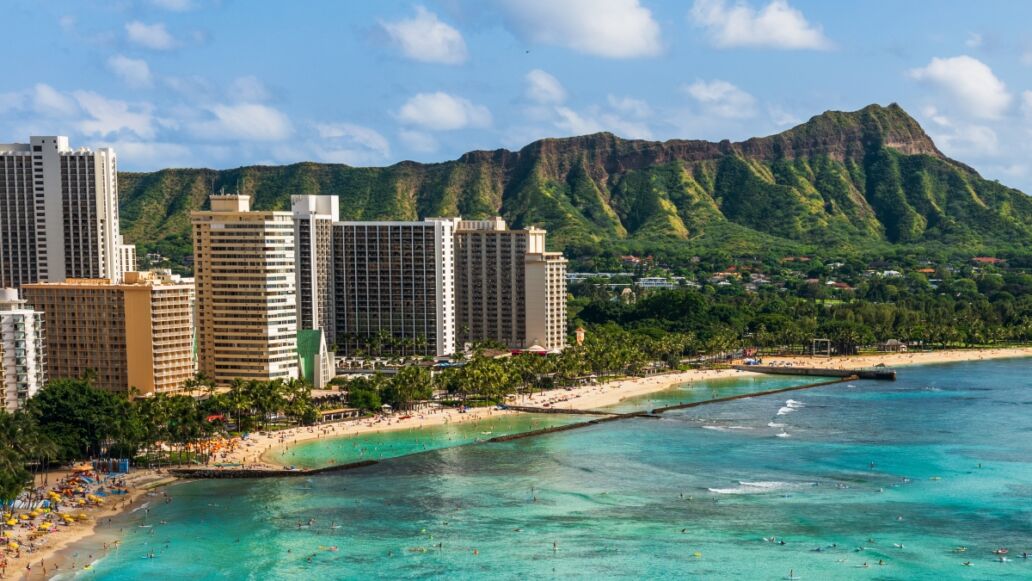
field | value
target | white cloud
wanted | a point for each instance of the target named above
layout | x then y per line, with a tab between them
574	123
154	154
351	144
152	36
1015	170
595	120
174	5
961	139
66	22
194	88
969	140
418	141
974	40
133	72
426	39
606	28
969	82
47	100
781	117
245	121
1026	58
111	116
1026	103
629	105
12	101
248	89
441	111
544	88
722	99
777	25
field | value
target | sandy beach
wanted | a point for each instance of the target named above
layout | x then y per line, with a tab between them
47	560
901	359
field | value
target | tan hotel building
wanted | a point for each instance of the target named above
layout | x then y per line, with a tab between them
133	335
507	288
246	307
546	300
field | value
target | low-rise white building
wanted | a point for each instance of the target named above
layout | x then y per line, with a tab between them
655	282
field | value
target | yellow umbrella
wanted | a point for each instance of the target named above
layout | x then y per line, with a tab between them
24	517
45	526
7	534
12	545
12	522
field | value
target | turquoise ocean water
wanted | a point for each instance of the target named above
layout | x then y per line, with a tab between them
908	470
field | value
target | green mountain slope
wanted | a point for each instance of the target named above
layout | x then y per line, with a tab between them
841	180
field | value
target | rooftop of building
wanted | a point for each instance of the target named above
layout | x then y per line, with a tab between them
129	280
60	141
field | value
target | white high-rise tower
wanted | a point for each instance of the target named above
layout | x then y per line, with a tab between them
58	213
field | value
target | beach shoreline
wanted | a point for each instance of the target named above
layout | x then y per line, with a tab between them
256	451
261	449
53	559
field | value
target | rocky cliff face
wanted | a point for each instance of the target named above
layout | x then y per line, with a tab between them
839	179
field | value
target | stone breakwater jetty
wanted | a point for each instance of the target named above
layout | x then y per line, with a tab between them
879	373
840	376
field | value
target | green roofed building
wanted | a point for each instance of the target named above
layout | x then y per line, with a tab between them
314	359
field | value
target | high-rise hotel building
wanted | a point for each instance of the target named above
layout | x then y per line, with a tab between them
546	300
395	287
58	213
506	287
490	293
22	350
136	334
246	308
313	250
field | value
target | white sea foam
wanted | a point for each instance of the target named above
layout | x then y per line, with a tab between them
761	487
769	484
775	425
784	435
726	428
790	406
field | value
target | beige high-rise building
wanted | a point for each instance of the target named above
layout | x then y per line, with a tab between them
58	213
133	335
23	360
395	287
508	289
246	305
490	281
546	300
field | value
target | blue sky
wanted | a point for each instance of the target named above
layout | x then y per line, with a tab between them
223	83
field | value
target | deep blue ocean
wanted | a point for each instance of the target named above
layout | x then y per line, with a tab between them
911	478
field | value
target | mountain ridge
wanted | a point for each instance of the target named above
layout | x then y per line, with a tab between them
841	179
